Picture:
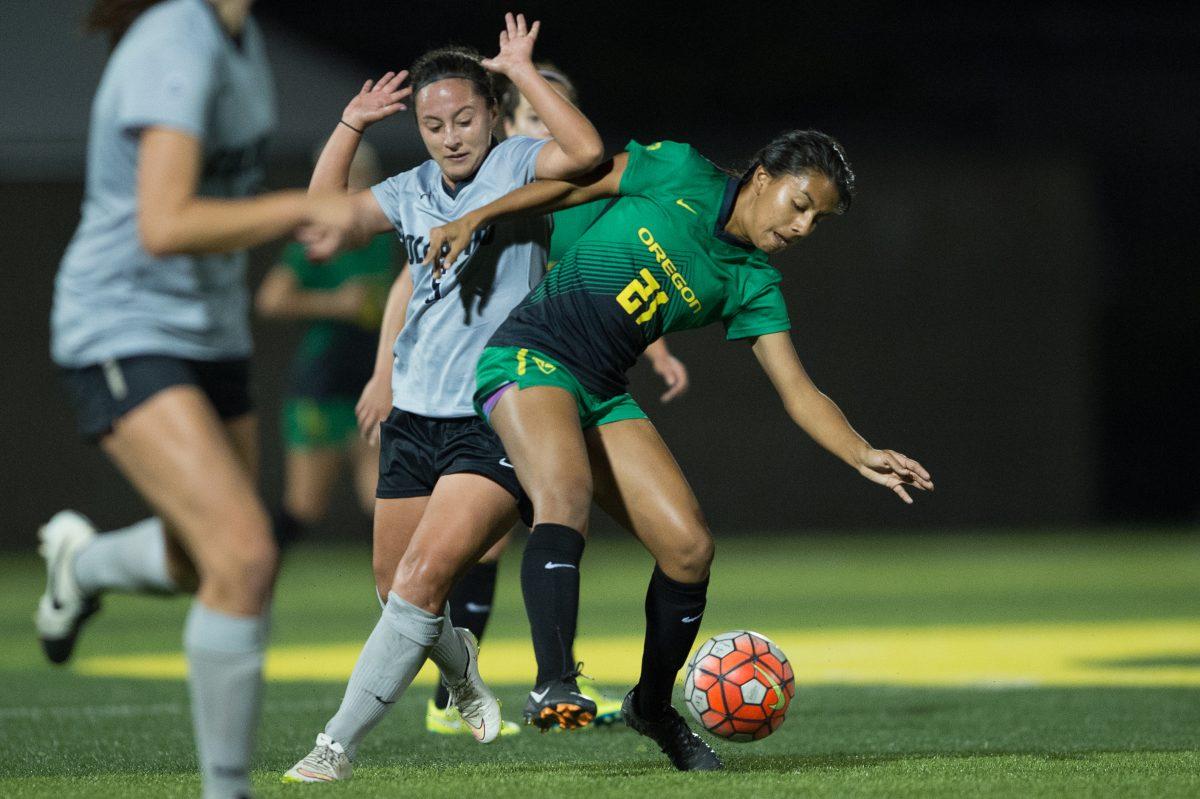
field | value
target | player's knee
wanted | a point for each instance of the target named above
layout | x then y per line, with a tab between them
424	578
243	572
565	501
689	555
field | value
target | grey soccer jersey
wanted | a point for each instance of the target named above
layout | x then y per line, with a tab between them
449	320
176	67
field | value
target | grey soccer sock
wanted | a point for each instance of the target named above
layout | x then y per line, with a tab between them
133	558
391	658
225	657
449	653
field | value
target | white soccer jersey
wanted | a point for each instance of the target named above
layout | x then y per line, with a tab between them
450	320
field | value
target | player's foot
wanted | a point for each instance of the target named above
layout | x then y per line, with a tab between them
608	709
686	749
477	706
63	608
448	721
327	762
559	703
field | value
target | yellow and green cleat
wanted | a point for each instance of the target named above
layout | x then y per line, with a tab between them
608	709
448	722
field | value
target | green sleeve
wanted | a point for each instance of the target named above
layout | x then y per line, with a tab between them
293	258
570	223
657	168
761	308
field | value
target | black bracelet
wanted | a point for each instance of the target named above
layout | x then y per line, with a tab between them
347	124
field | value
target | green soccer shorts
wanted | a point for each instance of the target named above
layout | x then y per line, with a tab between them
501	367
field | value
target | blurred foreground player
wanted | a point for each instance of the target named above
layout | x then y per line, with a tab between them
150	328
683	246
342	304
446	490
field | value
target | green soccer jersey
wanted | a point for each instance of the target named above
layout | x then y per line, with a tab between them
655	261
568	227
335	357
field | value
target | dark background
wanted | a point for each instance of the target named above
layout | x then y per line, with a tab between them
1012	299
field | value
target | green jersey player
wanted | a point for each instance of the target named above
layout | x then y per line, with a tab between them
683	245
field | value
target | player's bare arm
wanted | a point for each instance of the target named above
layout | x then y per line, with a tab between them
376	100
576	147
824	422
281	297
375	402
173	219
533	199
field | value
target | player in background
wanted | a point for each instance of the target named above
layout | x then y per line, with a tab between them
473	596
446	491
342	303
150	328
685	245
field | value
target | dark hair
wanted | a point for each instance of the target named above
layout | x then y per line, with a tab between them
114	17
454	61
800	151
510	97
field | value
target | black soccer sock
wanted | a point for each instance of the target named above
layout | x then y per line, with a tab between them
470	607
673	611
550	585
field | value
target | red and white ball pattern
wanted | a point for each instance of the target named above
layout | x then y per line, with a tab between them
739	685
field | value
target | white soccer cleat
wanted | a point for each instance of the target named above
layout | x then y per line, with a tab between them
327	762
477	705
63	608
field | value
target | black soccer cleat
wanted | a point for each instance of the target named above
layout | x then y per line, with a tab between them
686	750
558	703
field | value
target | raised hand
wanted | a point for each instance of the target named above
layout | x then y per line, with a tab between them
516	46
377	100
895	471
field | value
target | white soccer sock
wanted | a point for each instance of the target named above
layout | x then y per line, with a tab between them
225	657
448	653
387	665
132	559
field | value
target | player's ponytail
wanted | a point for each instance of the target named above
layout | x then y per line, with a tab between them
799	151
113	17
454	61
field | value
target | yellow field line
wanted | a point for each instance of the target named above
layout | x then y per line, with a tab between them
958	655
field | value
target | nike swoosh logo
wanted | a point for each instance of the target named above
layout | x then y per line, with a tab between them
504	462
383	701
536	697
473	608
770	678
681	203
690	619
559	566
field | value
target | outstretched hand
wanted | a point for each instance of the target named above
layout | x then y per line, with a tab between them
447	242
516	46
895	471
378	100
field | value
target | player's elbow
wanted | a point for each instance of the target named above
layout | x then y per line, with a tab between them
156	235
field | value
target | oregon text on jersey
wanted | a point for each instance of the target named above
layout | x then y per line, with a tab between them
664	260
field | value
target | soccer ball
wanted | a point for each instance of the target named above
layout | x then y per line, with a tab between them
738	686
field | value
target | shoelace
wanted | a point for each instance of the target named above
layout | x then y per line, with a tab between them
325	756
576	673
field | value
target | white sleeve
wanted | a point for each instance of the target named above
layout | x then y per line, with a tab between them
388	194
167	82
519	157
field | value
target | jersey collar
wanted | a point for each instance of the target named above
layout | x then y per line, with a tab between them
732	185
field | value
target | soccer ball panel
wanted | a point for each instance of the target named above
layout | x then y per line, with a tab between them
721	648
754	692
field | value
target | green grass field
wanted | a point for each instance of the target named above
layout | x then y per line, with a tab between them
955	665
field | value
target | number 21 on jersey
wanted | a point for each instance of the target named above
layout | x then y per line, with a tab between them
642	297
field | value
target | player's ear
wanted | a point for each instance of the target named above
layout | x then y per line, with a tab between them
759	179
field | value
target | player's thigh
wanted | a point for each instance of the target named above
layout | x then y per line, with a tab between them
310	475
497	549
243	436
364	457
175	451
539	427
639	483
395	521
466	514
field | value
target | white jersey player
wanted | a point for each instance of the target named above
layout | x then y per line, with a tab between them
446	490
